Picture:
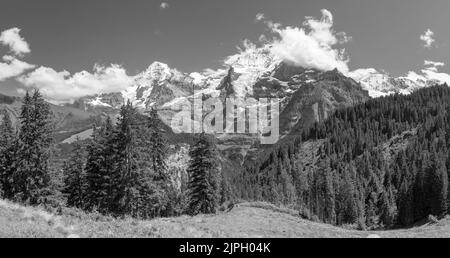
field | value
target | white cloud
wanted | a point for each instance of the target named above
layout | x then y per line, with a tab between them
14	41
362	74
164	5
12	67
428	39
63	87
433	66
437	76
260	17
430	73
312	45
432	63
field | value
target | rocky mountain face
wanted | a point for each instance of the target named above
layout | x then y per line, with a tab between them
305	95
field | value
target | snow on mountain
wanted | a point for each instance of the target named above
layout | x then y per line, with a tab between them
159	84
377	84
250	65
174	87
382	84
98	102
144	82
253	69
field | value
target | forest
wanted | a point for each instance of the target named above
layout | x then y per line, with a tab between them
380	164
120	172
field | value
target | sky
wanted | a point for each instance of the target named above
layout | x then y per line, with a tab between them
53	41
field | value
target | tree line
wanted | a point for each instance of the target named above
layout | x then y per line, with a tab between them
121	171
380	164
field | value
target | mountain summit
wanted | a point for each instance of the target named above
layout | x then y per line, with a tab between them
382	84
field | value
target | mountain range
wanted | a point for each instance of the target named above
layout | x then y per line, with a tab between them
306	96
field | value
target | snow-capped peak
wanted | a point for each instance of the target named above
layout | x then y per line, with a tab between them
157	71
252	57
382	84
144	82
249	65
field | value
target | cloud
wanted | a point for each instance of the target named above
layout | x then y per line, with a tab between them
63	87
436	76
433	66
312	45
428	39
362	74
14	41
260	17
12	67
430	73
164	5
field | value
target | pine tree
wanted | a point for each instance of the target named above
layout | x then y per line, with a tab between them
99	168
202	171
439	184
348	213
75	183
6	130
35	141
126	161
8	151
158	147
405	204
225	191
136	193
328	204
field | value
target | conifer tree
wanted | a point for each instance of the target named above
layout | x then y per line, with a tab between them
35	141
75	182
136	194
225	191
99	168
439	184
202	170
8	151
348	213
158	147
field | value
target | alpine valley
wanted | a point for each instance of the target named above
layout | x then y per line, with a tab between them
309	98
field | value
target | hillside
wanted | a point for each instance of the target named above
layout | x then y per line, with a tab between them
378	163
248	220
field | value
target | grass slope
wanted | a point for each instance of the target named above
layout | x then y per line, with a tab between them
257	220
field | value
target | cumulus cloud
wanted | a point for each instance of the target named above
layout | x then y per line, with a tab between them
312	45
63	87
430	73
260	17
164	5
436	76
12	67
428	38
362	74
433	66
12	39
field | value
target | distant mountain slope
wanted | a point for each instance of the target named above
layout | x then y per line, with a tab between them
380	84
381	163
67	120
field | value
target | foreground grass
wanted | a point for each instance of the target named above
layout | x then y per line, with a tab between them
25	222
254	220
